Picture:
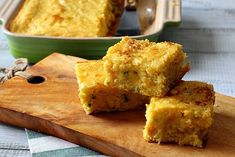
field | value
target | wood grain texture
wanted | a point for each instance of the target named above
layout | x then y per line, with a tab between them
53	107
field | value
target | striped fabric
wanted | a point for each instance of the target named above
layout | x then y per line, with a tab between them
42	145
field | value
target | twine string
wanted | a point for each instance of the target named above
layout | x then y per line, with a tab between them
18	69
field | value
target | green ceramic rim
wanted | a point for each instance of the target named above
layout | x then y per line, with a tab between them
36	49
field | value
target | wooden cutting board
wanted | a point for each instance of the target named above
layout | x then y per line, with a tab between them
53	107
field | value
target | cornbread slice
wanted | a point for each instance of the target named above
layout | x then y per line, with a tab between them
68	18
183	116
96	97
144	67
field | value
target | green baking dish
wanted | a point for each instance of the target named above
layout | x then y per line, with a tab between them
35	48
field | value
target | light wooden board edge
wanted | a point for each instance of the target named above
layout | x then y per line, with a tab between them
98	145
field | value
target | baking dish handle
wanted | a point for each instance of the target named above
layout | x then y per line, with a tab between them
171	12
7	8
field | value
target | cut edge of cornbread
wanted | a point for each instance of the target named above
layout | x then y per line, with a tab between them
96	97
144	67
118	8
183	116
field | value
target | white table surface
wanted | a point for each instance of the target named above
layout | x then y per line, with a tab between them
208	35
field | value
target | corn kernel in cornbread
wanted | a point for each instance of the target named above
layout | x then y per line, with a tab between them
144	67
183	116
96	97
67	18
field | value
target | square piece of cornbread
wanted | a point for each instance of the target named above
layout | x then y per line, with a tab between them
183	116
144	67
96	97
68	18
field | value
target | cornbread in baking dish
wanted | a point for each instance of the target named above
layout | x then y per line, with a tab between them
144	67
96	97
68	18
183	116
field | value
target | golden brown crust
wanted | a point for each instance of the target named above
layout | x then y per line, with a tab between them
183	116
144	67
68	18
195	92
